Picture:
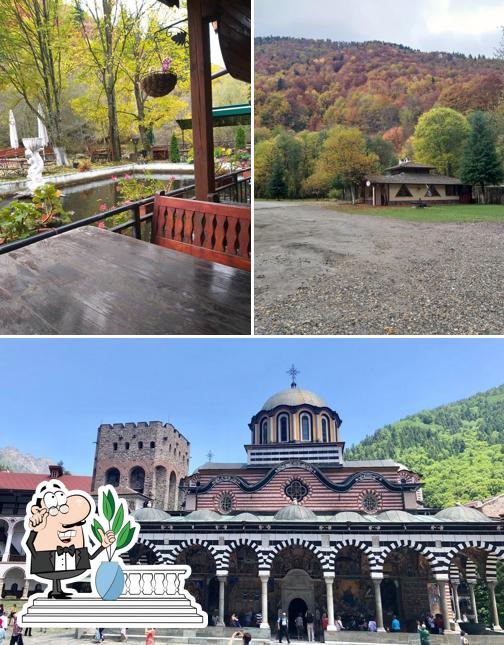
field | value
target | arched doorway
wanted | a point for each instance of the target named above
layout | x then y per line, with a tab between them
137	479
243	585
297	606
202	583
112	477
353	590
417	593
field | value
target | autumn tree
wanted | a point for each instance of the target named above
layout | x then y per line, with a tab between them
277	186
35	55
480	165
345	157
439	139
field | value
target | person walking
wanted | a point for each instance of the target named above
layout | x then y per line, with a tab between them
150	636
299	622
17	632
395	625
283	627
463	639
3	634
309	626
124	634
424	634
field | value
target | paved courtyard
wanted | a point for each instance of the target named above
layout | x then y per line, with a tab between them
319	271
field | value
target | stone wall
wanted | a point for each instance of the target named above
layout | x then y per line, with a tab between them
150	457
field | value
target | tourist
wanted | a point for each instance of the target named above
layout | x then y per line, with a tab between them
4	620
258	619
395	626
12	613
299	622
319	632
423	633
463	639
465	619
124	634
246	638
283	627
338	624
372	626
439	624
28	631
3	634
431	625
234	621
150	636
325	621
17	632
309	626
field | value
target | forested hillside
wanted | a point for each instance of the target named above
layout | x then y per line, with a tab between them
458	448
312	84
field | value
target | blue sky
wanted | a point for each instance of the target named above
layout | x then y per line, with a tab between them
55	392
467	26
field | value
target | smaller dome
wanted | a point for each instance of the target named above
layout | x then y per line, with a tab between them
149	514
462	514
244	517
350	516
203	515
396	516
294	513
294	396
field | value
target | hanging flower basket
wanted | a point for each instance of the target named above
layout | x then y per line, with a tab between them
161	83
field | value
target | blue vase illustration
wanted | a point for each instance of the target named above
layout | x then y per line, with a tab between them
109	580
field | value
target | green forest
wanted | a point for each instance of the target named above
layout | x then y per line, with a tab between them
457	448
329	113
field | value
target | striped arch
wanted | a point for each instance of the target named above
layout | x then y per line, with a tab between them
494	554
236	544
436	566
358	544
151	546
275	550
178	548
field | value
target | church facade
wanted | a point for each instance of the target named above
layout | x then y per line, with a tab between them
298	527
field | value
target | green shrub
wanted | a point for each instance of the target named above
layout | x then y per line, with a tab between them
174	150
240	138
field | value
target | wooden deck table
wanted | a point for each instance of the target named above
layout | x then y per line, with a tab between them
92	281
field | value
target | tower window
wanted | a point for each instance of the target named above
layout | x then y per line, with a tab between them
152	444
115	445
264	431
325	430
126	445
140	445
112	477
137	479
306	427
283	428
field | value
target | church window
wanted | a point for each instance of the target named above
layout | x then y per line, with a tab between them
140	445
404	191
325	430
283	428
296	490
225	503
306	427
264	431
370	502
432	191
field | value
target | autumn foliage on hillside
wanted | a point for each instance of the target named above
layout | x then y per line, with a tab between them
303	84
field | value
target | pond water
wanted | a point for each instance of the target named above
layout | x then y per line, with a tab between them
84	199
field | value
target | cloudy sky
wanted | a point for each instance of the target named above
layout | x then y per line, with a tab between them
467	26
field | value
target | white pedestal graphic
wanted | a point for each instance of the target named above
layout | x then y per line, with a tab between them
153	596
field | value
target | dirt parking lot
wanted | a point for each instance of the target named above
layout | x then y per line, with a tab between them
319	271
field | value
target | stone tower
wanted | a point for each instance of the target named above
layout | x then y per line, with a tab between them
148	457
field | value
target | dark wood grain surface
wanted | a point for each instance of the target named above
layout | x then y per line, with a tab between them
91	281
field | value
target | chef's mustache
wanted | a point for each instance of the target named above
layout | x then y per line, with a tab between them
69	526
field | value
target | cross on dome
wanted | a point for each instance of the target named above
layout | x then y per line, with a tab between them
293	371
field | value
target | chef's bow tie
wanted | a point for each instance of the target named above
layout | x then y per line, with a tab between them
65	549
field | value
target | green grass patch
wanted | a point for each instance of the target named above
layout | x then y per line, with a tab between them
457	213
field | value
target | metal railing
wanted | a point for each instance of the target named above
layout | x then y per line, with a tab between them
141	212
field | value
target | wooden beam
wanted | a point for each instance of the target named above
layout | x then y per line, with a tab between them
201	99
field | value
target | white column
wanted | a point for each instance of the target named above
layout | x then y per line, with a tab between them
8	542
329	580
264	600
473	601
378	604
222	590
444	605
26	588
493	606
454	586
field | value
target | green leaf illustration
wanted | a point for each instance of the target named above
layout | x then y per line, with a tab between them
123	537
118	520
108	505
96	527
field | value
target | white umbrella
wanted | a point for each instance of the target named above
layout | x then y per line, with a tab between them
14	142
42	130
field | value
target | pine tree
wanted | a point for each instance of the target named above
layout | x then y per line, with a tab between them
240	138
480	164
174	150
277	188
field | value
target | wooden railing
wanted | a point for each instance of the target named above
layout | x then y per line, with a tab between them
138	225
209	230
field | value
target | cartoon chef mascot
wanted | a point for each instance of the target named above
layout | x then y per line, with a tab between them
56	529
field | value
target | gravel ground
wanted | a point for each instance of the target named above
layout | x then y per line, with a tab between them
318	271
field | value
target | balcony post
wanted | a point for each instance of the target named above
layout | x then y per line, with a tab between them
137	226
264	600
8	541
378	604
329	580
